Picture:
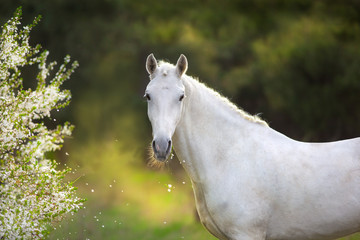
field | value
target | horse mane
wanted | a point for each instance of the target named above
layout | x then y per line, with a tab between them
232	106
164	66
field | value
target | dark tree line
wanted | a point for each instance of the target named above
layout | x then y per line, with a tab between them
295	62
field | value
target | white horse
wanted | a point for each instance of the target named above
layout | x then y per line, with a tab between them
250	181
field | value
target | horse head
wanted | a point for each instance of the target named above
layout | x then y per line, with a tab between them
165	95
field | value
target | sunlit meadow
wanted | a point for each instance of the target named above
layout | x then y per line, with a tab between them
126	199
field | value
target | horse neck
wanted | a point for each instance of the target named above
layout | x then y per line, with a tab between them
208	125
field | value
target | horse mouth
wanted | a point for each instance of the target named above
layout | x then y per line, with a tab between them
160	158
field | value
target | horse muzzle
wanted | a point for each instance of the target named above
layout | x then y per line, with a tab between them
161	148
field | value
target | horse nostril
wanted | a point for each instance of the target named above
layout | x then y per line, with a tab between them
169	146
153	145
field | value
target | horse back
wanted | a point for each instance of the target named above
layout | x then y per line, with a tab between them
317	189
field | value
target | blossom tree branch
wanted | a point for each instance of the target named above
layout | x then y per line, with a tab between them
33	194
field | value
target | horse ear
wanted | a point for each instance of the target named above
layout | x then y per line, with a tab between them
151	64
181	65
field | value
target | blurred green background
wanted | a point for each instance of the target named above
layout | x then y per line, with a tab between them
297	62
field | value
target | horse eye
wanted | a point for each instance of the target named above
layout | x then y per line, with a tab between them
181	97
147	96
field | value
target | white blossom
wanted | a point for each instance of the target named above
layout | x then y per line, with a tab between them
33	194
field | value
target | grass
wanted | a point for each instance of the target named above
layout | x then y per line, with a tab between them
352	237
125	223
127	200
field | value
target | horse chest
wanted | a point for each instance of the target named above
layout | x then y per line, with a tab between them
208	214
